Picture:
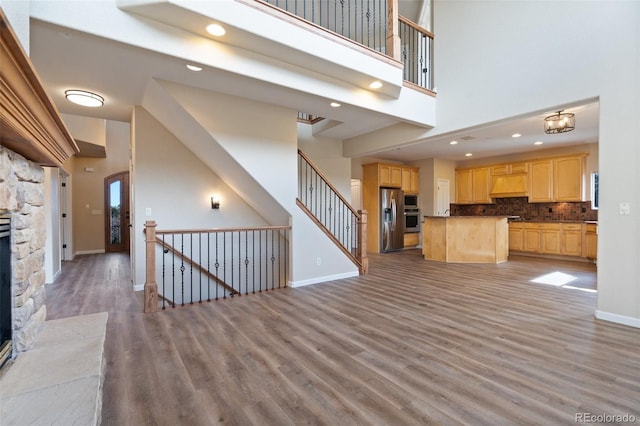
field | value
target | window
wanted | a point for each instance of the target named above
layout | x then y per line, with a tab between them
594	190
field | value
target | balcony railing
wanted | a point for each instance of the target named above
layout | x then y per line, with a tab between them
196	266
367	22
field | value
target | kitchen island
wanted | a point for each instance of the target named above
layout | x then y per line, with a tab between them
466	239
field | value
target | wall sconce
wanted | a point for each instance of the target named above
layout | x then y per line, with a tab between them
215	203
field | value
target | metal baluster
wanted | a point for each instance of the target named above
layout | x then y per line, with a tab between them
200	263
272	261
191	268
217	265
231	252
260	264
173	273
279	255
208	266
286	257
182	268
253	256
246	261
164	293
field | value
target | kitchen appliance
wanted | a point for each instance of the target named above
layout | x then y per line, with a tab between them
391	220
411	220
410	201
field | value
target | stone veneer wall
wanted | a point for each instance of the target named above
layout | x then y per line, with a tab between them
22	198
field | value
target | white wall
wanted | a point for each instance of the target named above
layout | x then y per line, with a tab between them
17	13
177	187
497	59
326	154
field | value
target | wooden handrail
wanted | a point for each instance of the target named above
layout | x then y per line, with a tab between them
199	267
215	230
329	184
416	27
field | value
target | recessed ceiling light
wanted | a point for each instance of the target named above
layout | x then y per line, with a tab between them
538	143
84	98
335	104
375	85
516	135
468	154
453	143
216	30
194	68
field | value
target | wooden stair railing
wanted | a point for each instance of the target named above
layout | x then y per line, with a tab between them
328	209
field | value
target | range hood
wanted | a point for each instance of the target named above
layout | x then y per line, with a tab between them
509	186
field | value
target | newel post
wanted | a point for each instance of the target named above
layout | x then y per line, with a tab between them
362	247
393	32
150	285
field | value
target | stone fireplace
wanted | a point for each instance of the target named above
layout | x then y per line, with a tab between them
21	205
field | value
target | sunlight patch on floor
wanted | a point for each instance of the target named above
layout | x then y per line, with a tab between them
554	278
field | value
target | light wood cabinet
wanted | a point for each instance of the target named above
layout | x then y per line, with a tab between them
552	238
464	186
509	169
568	178
516	236
571	239
411	239
541	181
541	237
472	186
410	180
390	176
557	179
591	241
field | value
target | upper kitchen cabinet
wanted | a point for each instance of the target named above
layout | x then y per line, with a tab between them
410	180
389	176
541	181
569	178
557	179
472	186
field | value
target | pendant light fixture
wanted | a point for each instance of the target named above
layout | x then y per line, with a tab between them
560	122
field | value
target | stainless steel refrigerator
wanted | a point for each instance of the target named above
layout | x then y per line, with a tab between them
391	219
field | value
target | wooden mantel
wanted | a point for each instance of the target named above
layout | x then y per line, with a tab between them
30	123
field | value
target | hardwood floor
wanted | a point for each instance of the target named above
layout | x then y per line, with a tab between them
412	342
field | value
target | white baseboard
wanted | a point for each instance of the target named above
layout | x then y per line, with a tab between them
138	287
324	279
55	277
619	319
88	252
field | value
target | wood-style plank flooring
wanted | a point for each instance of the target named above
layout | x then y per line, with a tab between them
412	342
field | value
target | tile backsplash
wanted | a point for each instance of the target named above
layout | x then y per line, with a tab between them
520	206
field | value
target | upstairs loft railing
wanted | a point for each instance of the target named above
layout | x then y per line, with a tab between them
303	117
322	202
376	25
196	266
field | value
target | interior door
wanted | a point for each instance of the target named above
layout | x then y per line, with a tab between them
443	203
116	190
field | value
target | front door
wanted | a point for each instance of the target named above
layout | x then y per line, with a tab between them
116	189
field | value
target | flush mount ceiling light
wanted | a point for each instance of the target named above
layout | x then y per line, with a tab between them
216	30
468	154
453	143
538	143
560	122
516	135
334	104
194	68
375	85
84	98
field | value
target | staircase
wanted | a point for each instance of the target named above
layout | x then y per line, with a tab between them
328	209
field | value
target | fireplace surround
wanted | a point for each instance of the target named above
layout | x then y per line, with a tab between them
6	325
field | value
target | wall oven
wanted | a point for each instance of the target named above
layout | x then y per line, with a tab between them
410	201
411	220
